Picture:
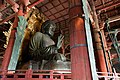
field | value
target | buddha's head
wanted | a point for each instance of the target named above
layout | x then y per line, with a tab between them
48	27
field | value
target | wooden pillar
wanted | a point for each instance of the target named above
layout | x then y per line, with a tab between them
107	52
2	4
8	51
9	48
99	52
78	48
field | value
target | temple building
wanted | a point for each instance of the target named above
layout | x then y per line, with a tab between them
59	39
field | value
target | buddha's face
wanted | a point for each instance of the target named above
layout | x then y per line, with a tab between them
50	30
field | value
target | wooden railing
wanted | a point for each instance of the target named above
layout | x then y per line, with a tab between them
49	75
108	76
36	75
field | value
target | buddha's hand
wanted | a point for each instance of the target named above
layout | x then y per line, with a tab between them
60	39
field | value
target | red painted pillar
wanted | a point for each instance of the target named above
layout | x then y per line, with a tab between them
9	48
8	51
79	55
99	52
108	56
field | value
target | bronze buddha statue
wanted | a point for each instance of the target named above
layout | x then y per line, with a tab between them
42	47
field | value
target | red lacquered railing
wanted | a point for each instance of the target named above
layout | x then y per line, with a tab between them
50	75
36	75
108	76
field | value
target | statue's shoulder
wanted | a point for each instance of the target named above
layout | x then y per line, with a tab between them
47	41
38	34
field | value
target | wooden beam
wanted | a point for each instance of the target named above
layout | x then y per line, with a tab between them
108	7
8	18
13	15
109	4
35	3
